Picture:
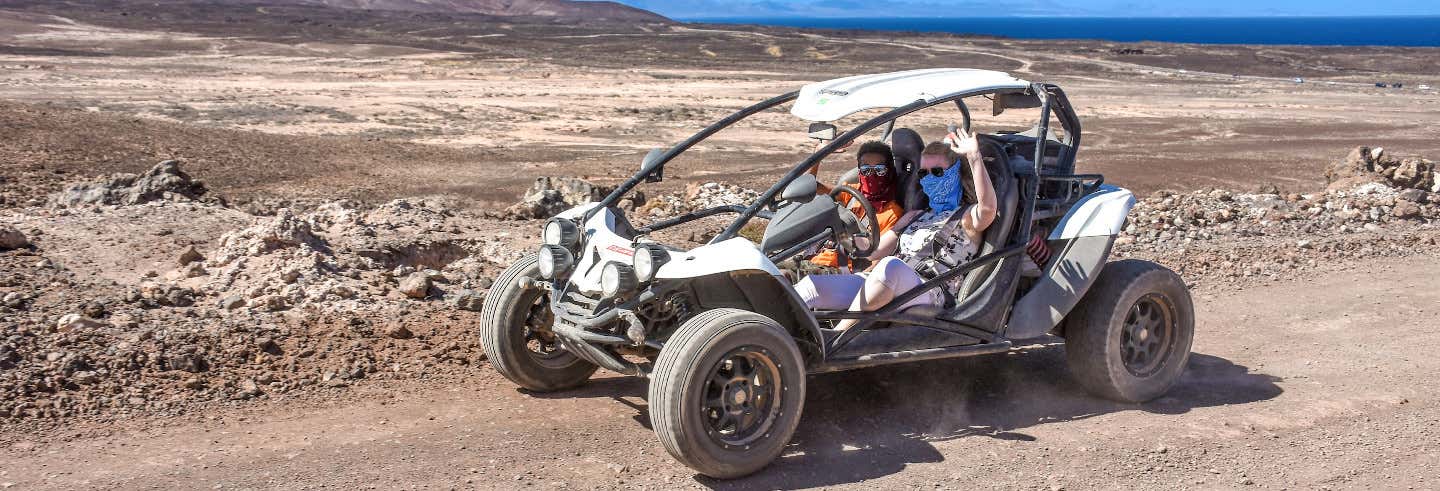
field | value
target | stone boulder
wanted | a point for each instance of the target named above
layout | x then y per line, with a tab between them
551	195
469	300
12	238
1365	165
417	285
163	181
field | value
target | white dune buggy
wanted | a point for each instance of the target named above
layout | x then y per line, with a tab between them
725	339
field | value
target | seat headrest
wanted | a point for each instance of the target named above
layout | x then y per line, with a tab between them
907	145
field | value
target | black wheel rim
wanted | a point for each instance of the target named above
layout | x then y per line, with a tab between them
540	341
742	397
1148	336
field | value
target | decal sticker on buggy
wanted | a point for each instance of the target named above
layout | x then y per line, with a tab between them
620	250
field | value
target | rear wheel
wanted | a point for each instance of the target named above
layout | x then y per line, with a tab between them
727	392
515	334
1129	338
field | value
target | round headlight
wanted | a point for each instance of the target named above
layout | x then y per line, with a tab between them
561	232
617	278
554	261
648	259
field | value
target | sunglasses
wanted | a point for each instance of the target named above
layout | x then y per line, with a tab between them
873	170
934	171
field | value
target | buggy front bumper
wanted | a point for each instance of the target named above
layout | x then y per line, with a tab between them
586	327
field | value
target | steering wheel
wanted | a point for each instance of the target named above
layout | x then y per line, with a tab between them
848	217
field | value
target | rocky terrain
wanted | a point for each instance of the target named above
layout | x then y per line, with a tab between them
177	310
242	245
289	300
1376	205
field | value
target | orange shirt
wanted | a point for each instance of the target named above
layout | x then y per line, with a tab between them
885	217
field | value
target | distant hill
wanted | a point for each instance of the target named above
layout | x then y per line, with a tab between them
611	11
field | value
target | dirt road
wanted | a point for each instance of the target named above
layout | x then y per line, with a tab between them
1309	384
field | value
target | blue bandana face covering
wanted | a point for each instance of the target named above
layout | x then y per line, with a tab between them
944	191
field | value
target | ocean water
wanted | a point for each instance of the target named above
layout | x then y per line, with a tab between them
1315	31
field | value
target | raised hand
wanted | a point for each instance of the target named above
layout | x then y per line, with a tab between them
963	143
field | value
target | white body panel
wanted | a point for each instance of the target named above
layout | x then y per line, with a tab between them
603	245
736	254
1101	213
834	99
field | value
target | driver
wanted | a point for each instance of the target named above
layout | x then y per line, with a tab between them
936	235
879	183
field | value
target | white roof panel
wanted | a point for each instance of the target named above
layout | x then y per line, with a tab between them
834	99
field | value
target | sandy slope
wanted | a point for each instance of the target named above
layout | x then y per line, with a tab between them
1329	387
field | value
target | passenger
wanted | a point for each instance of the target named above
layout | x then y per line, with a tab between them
878	182
930	236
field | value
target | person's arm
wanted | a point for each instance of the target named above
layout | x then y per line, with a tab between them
890	239
982	213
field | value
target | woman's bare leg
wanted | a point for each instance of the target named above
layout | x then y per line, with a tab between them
878	290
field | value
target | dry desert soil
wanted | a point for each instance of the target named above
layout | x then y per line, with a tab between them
345	152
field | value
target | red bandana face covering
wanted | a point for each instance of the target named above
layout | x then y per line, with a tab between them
878	190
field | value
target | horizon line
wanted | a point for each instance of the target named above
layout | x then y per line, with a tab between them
1056	16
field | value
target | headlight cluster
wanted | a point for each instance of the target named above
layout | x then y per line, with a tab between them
647	261
561	232
562	241
554	261
618	278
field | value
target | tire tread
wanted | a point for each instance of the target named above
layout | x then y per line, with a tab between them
1087	347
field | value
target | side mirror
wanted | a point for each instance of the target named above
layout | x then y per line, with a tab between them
822	131
658	174
801	190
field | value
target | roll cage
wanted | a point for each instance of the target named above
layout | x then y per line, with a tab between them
1045	191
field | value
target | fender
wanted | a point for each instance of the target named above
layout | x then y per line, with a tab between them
1102	212
736	254
1082	239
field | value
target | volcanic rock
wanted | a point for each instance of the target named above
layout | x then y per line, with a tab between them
552	195
399	332
190	255
11	238
416	285
1366	165
163	181
469	300
72	322
232	302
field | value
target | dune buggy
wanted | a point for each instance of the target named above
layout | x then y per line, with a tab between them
726	341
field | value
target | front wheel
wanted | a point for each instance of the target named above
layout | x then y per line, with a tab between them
1129	339
515	334
727	392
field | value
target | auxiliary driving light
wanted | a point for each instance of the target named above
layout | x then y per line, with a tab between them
617	278
554	261
561	232
648	259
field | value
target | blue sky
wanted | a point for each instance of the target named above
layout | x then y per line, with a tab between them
694	9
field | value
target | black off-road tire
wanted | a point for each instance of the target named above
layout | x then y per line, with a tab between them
1100	332
685	373
502	335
